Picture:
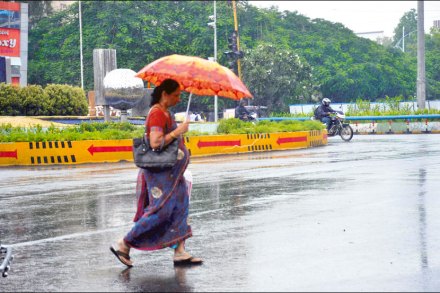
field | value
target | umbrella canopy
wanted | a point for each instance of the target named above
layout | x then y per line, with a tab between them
196	75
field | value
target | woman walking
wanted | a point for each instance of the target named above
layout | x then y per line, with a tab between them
163	199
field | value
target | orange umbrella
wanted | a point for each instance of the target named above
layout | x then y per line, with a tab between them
196	75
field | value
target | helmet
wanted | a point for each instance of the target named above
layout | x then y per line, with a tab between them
326	102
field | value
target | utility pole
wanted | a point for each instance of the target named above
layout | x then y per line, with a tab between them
234	8
421	81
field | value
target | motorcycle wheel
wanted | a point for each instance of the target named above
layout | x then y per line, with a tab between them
346	133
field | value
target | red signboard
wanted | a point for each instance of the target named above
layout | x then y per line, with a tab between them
9	42
12	6
9	29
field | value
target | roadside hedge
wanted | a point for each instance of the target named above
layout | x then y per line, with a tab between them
33	100
126	130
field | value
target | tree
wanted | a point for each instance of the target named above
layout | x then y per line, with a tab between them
343	65
409	22
432	64
276	77
140	31
38	10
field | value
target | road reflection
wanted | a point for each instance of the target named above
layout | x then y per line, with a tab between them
176	282
358	216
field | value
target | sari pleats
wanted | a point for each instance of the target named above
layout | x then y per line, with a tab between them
162	207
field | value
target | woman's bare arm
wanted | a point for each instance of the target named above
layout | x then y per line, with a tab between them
157	138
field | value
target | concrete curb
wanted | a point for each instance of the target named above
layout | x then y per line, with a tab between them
101	151
390	127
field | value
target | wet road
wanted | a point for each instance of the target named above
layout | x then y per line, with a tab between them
358	216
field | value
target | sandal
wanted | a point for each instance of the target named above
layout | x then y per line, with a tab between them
122	256
189	260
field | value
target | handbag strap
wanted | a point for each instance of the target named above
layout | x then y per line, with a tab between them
145	138
146	125
148	117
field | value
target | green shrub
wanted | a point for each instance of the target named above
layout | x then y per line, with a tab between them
35	101
84	131
11	103
117	130
66	100
236	126
32	100
288	114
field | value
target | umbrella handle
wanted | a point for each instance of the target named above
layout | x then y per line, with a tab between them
187	108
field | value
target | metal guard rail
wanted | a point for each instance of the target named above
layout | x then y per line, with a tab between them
6	255
360	118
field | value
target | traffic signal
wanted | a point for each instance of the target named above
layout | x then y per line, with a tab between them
232	42
230	54
233	54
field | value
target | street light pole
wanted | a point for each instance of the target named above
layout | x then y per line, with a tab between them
80	45
421	82
214	26
215	60
215	31
403	39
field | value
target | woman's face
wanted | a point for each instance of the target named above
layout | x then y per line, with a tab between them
173	98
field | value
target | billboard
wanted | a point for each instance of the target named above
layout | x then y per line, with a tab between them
10	29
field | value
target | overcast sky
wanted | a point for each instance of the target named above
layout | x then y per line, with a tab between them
359	16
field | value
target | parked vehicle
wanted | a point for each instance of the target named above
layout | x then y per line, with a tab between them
256	112
6	258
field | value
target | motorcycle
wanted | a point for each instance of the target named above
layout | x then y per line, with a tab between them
6	258
338	127
251	117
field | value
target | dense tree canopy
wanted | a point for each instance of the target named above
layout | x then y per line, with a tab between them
407	30
37	10
278	77
344	66
432	64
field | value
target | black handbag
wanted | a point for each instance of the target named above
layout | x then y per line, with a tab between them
154	159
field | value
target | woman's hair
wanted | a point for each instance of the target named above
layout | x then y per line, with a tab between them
168	85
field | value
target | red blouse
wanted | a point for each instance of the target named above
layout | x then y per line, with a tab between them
158	118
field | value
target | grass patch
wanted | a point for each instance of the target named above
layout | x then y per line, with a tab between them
126	130
236	126
83	131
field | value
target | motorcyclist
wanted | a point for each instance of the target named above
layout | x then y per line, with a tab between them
242	113
323	112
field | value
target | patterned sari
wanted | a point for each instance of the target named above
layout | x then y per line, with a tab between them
163	200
